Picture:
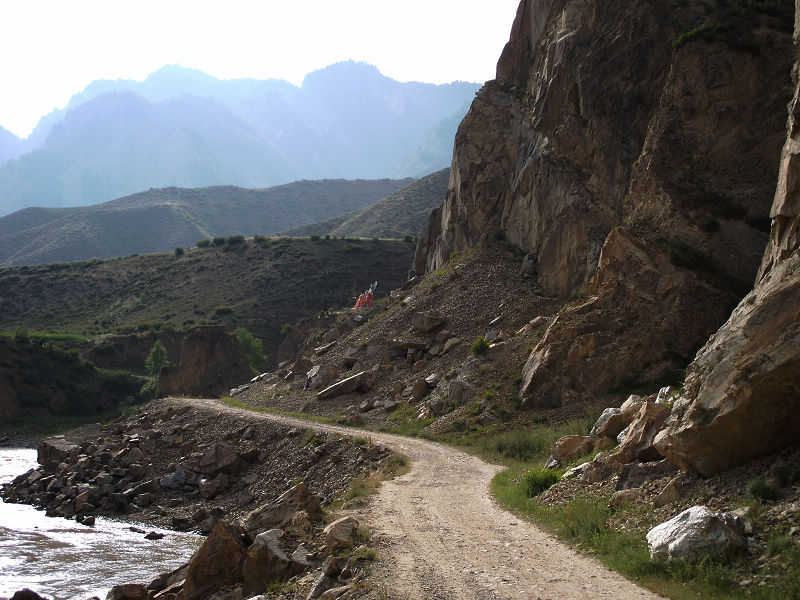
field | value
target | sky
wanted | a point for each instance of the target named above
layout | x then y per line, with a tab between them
52	49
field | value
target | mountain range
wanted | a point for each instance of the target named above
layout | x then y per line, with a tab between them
159	220
181	127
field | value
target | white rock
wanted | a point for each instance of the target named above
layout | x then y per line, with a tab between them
696	532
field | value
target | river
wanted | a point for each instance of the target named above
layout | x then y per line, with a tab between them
61	559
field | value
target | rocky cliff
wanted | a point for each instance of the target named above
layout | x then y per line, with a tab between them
741	392
630	149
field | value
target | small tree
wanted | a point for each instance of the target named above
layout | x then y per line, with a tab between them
253	348
155	362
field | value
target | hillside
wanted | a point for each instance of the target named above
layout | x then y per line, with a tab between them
184	128
159	220
41	383
258	285
404	212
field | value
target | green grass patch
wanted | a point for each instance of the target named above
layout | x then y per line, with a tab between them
274	411
531	444
583	523
404	421
539	480
758	489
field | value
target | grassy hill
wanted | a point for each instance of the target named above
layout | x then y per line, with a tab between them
260	285
404	212
159	220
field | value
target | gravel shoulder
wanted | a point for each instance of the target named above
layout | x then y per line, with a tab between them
440	534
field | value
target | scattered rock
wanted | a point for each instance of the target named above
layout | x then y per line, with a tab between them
220	458
638	443
26	594
341	533
345	386
279	512
623	497
127	591
426	322
174	481
633	475
570	447
698	531
217	563
265	563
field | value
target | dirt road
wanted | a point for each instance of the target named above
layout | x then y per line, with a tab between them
440	535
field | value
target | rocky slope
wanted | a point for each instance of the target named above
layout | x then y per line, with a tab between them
237	479
631	150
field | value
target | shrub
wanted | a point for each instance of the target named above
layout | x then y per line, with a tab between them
218	240
157	360
758	489
315	238
178	251
235	239
253	348
286	328
223	310
203	243
259	239
408	238
479	346
539	480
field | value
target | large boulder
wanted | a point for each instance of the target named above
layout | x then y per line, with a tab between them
280	511
638	442
571	447
345	386
266	562
696	532
426	322
341	533
217	563
220	458
51	451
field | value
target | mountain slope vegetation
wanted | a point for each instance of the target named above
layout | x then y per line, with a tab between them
259	285
404	212
159	220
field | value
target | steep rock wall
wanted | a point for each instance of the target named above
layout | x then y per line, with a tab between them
623	117
741	395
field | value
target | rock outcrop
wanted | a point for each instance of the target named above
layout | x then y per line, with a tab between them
740	396
632	156
209	363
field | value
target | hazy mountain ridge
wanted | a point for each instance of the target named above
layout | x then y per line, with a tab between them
10	145
159	220
184	128
401	213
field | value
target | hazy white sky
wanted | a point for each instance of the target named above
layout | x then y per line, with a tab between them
52	49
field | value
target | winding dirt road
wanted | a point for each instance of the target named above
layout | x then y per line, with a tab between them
440	535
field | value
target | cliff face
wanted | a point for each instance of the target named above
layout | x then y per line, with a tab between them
740	396
631	149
